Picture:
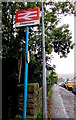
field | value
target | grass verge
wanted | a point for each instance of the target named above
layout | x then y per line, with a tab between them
48	96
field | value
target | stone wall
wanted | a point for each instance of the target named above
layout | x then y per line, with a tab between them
34	99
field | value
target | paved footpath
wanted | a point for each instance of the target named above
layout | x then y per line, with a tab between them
62	103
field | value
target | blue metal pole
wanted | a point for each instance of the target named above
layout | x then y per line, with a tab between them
26	76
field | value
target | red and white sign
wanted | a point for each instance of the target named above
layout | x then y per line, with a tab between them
27	17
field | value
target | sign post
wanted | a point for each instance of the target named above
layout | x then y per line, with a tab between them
26	74
27	18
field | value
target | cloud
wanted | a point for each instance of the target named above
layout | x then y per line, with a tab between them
65	65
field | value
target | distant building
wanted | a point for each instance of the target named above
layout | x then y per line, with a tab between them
61	79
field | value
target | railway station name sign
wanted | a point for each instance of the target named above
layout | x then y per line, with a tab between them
27	17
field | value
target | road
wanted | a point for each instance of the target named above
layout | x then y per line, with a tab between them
63	103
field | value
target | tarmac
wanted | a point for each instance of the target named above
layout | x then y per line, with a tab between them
58	109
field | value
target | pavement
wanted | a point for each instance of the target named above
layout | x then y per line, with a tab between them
61	108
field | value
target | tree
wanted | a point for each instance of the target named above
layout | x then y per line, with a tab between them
57	38
52	77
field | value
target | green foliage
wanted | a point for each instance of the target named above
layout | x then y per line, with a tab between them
49	93
52	77
31	4
11	43
40	115
57	38
48	96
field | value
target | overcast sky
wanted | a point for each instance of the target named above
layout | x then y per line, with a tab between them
65	65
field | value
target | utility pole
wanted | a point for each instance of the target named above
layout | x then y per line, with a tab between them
75	55
44	98
7	2
75	40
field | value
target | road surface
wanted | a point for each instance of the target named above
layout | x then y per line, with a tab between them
63	103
